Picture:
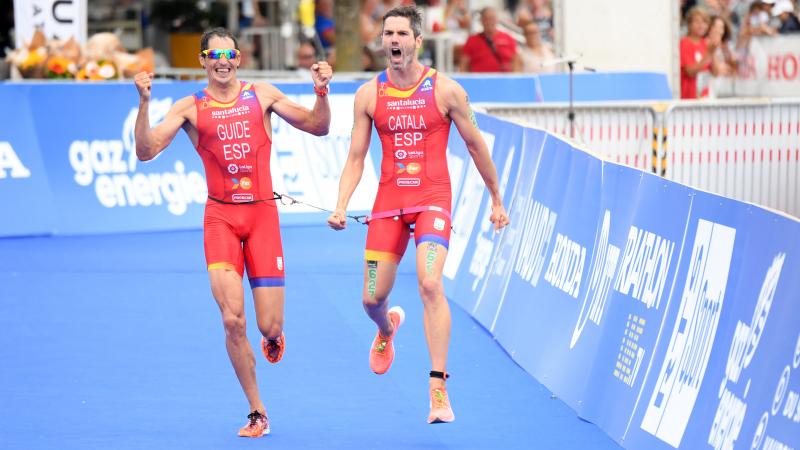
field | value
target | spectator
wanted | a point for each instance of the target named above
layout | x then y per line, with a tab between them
724	9
383	7
491	50
370	27
433	15
755	23
306	55
324	24
534	52
456	16
695	52
719	35
784	11
538	11
758	18
251	15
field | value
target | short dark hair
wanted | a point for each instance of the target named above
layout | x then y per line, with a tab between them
218	32
412	13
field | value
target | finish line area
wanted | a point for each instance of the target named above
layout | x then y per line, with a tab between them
114	341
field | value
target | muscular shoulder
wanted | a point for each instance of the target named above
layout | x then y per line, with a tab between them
184	104
184	108
267	94
448	92
365	97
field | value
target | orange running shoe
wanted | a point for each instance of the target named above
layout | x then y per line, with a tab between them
257	426
441	412
273	349
381	354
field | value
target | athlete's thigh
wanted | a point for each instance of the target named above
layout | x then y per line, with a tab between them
263	250
379	278
227	289
432	238
221	242
387	240
269	303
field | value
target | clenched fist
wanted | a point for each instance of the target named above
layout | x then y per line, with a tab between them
321	74
144	83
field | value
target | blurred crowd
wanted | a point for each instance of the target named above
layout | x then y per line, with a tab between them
516	38
718	33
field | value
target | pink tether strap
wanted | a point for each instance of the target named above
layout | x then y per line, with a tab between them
412	210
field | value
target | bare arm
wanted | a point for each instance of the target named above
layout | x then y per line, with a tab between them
455	100
151	141
359	145
316	121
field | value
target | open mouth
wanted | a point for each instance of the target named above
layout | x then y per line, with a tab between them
395	52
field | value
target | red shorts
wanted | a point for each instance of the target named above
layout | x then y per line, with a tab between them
387	238
239	236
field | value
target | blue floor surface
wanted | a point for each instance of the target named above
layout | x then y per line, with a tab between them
114	342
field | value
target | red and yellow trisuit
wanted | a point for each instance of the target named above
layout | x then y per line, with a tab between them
414	187
241	227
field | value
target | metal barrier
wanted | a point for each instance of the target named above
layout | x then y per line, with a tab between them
744	149
747	150
619	132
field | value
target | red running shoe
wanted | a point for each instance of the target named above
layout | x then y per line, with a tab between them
381	354
257	425
273	348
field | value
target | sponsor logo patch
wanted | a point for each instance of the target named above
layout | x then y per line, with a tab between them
408	181
241	198
427	85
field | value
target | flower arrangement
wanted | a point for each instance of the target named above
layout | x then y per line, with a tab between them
102	58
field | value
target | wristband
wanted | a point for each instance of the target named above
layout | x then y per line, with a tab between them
321	92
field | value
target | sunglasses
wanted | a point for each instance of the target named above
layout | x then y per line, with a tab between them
217	53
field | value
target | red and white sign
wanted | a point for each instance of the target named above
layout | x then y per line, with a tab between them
769	68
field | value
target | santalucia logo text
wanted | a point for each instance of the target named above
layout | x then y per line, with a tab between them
110	166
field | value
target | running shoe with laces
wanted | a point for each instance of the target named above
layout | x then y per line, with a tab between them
441	412
381	354
257	425
273	348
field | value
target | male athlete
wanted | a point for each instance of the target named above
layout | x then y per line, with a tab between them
229	124
412	107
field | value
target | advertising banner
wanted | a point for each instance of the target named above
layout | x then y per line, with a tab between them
633	270
26	204
491	291
473	240
661	313
100	186
724	376
57	19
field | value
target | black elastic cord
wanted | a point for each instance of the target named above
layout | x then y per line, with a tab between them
440	375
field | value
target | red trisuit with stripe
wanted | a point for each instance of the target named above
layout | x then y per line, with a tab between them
414	174
241	226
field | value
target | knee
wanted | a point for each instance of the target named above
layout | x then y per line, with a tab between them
272	328
373	301
235	325
430	289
